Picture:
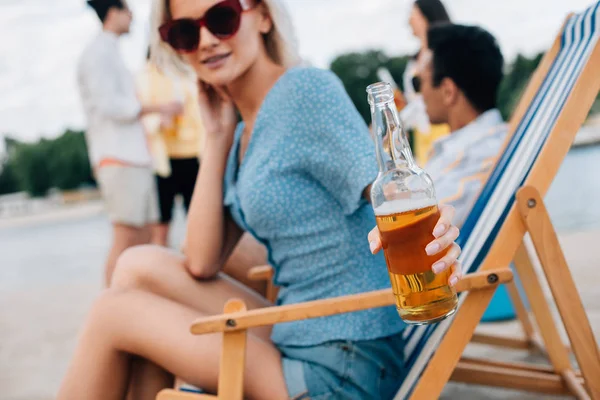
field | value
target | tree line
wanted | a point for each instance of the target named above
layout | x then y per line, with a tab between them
60	163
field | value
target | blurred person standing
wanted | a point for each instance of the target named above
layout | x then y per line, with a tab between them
175	141
424	14
115	136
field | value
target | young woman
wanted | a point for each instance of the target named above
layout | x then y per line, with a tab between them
295	173
424	13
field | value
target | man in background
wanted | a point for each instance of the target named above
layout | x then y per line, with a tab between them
460	76
116	139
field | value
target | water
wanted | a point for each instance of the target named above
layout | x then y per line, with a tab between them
574	196
74	251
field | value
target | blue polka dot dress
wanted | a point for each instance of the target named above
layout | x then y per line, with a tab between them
299	191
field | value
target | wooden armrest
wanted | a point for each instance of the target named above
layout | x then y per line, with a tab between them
336	305
171	394
261	273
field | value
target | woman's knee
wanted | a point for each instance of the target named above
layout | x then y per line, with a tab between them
101	319
138	267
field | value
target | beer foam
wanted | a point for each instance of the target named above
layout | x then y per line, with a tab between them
403	205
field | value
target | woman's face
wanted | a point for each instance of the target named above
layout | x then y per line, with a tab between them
418	23
219	62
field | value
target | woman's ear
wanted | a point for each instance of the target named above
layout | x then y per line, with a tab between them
266	23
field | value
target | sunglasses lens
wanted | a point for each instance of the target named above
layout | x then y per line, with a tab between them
223	20
183	35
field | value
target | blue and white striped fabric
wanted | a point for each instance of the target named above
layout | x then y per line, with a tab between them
579	38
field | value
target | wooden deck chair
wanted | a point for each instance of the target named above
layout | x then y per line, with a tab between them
531	339
510	206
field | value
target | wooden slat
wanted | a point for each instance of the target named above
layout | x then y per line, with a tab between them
484	280
501	341
265	273
520	310
321	308
557	352
171	394
562	285
271	292
260	273
448	353
292	312
535	343
533	381
233	358
516	365
575	385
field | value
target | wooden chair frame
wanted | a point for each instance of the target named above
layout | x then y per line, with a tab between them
528	215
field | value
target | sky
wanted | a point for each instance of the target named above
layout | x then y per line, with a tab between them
41	40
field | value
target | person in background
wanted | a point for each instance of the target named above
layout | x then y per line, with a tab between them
462	71
424	14
115	136
175	141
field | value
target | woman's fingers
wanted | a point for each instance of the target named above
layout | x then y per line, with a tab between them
442	242
445	221
374	240
456	274
449	259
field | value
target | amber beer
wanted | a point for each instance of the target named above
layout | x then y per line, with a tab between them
421	296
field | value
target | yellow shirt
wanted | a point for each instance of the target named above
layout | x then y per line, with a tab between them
423	141
182	139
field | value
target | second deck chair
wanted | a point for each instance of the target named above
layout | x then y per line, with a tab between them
510	206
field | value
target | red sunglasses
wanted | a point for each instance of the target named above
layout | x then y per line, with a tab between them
222	20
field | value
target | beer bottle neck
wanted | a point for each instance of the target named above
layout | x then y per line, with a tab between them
393	150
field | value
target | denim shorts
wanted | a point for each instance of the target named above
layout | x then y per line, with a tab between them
372	369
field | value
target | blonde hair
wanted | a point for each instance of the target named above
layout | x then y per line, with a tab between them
280	42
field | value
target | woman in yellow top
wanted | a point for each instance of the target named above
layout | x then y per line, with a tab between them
424	13
175	144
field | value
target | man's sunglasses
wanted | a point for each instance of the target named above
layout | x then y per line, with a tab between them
222	20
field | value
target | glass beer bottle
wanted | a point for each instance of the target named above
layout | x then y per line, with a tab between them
406	211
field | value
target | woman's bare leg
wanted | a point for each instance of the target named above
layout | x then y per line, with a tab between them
139	267
134	322
162	271
147	379
159	234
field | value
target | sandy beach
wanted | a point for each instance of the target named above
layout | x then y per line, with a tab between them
47	286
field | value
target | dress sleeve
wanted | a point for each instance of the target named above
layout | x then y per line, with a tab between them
336	144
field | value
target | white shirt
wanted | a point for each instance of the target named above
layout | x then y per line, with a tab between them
414	114
111	105
461	162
